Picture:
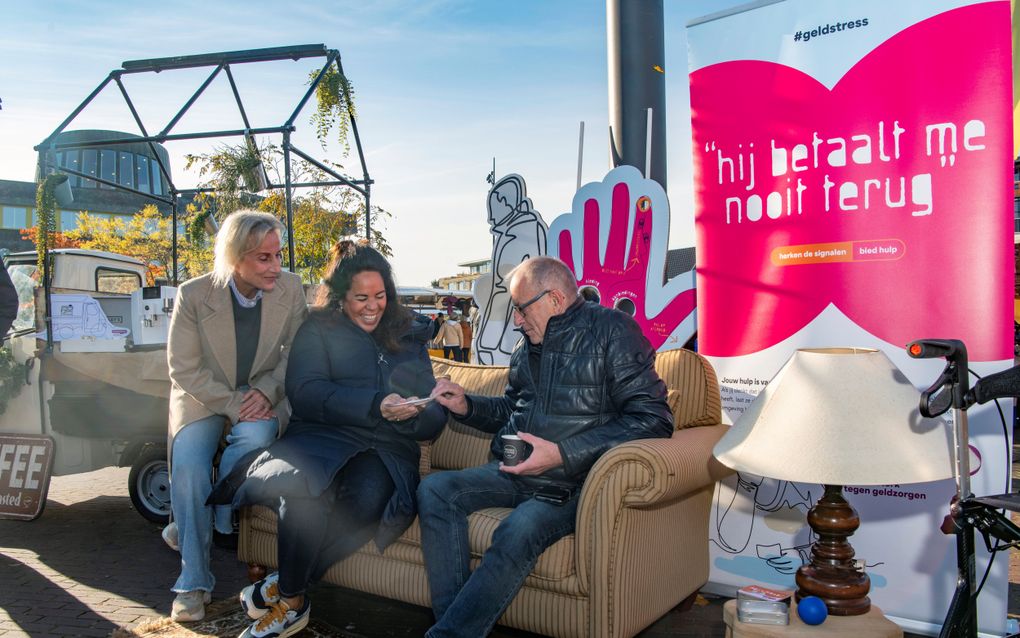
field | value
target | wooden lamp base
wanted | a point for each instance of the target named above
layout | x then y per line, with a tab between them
832	575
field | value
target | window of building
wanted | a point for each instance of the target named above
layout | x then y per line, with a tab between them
68	219
126	171
89	164
1016	215
71	159
122	281
157	179
15	217
150	226
142	172
108	166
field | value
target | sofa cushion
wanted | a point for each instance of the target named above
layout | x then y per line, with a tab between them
555	563
460	446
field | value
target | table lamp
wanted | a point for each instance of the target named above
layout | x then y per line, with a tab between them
838	416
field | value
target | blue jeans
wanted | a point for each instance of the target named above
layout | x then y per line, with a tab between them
194	448
469	603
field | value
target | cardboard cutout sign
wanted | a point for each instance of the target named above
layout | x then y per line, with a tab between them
518	232
615	239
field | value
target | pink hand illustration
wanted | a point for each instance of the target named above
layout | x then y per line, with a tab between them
629	276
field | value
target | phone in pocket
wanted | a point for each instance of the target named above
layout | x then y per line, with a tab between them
554	494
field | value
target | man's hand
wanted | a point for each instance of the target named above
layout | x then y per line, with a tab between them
451	396
394	408
545	455
255	407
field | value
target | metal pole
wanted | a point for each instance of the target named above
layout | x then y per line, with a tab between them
648	145
580	154
173	217
368	212
361	156
191	100
637	81
288	198
78	110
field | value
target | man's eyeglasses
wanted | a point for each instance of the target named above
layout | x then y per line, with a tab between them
519	309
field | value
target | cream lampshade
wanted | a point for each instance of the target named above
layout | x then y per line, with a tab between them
838	416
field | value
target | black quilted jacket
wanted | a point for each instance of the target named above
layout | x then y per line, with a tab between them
597	388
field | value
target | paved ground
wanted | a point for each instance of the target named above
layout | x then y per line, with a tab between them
90	564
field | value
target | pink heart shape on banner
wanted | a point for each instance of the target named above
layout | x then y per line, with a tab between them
940	265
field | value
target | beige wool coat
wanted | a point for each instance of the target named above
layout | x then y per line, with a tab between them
202	351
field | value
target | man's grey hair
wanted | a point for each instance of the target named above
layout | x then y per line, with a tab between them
546	273
242	231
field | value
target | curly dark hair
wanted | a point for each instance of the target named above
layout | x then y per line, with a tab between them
347	258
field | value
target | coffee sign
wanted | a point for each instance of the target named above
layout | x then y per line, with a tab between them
25	465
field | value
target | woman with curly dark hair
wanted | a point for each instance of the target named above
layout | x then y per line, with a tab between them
346	469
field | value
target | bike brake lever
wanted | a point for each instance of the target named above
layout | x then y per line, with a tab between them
938	398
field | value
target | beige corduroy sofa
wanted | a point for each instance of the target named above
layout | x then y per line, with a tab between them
641	543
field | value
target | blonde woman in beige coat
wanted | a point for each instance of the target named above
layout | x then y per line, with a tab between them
230	334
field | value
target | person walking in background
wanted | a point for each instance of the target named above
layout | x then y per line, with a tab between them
229	339
465	344
437	331
346	469
451	338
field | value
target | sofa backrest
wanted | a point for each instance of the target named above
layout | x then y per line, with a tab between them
693	388
460	446
689	378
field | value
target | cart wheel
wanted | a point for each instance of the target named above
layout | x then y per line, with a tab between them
149	485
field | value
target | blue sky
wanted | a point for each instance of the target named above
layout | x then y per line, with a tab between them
442	87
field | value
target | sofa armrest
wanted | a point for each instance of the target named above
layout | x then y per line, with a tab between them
669	468
643	474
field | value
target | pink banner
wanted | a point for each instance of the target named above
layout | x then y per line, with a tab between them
887	195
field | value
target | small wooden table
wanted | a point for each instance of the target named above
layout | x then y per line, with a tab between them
872	624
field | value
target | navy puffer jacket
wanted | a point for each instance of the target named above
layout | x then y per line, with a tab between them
336	377
597	388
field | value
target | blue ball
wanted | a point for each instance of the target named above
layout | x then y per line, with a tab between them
812	610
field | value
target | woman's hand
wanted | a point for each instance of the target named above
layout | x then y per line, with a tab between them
255	407
395	408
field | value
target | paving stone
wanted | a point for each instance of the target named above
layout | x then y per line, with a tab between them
90	563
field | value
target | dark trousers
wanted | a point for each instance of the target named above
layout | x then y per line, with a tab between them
316	532
456	351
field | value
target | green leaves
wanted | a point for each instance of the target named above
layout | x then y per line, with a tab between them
46	211
334	102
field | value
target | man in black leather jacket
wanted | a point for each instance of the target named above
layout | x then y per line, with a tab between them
582	381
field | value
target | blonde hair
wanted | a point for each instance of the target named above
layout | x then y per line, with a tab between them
242	231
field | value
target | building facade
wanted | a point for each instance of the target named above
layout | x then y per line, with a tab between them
132	164
465	281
